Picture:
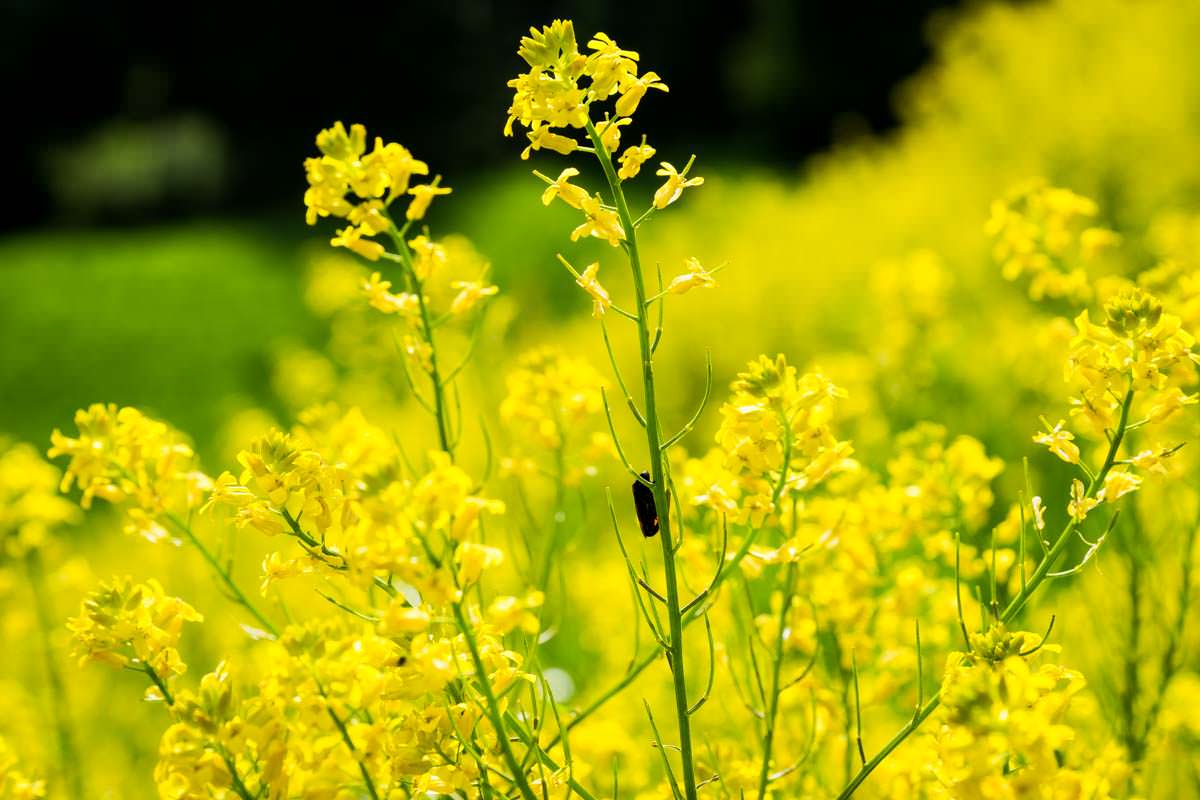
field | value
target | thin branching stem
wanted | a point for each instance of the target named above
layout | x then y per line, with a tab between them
772	710
223	573
492	704
1040	574
658	469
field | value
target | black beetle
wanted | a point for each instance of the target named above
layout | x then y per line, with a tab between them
643	503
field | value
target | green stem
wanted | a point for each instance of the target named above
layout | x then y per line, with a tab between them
776	670
493	706
529	741
637	669
157	680
658	468
238	596
1015	605
239	785
68	754
554	540
439	390
341	726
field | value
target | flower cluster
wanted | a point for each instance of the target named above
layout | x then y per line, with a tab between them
1001	730
30	506
132	624
775	434
127	458
349	510
339	705
347	182
373	181
1044	232
558	90
555	98
1137	348
949	481
550	395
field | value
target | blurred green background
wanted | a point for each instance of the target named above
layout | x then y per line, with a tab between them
157	254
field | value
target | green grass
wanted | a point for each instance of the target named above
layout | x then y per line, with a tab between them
177	321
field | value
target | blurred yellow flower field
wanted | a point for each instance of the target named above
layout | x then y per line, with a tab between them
644	479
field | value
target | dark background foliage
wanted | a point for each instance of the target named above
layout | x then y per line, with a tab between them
226	96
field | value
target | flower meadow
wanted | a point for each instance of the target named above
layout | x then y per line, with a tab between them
879	484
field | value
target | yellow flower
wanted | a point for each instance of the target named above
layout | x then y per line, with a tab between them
610	132
589	283
472	559
30	506
422	196
1167	403
369	216
335	143
1151	461
1080	503
470	294
509	613
696	277
401	618
1061	443
633	89
602	223
122	623
429	256
276	568
562	187
376	290
343	176
1119	483
121	454
673	187
351	238
550	395
608	66
632	159
398	163
544	137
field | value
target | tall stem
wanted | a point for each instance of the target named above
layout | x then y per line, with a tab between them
68	755
1014	607
493	705
658	466
238	595
439	391
776	670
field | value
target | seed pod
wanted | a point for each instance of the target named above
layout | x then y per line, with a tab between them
643	503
